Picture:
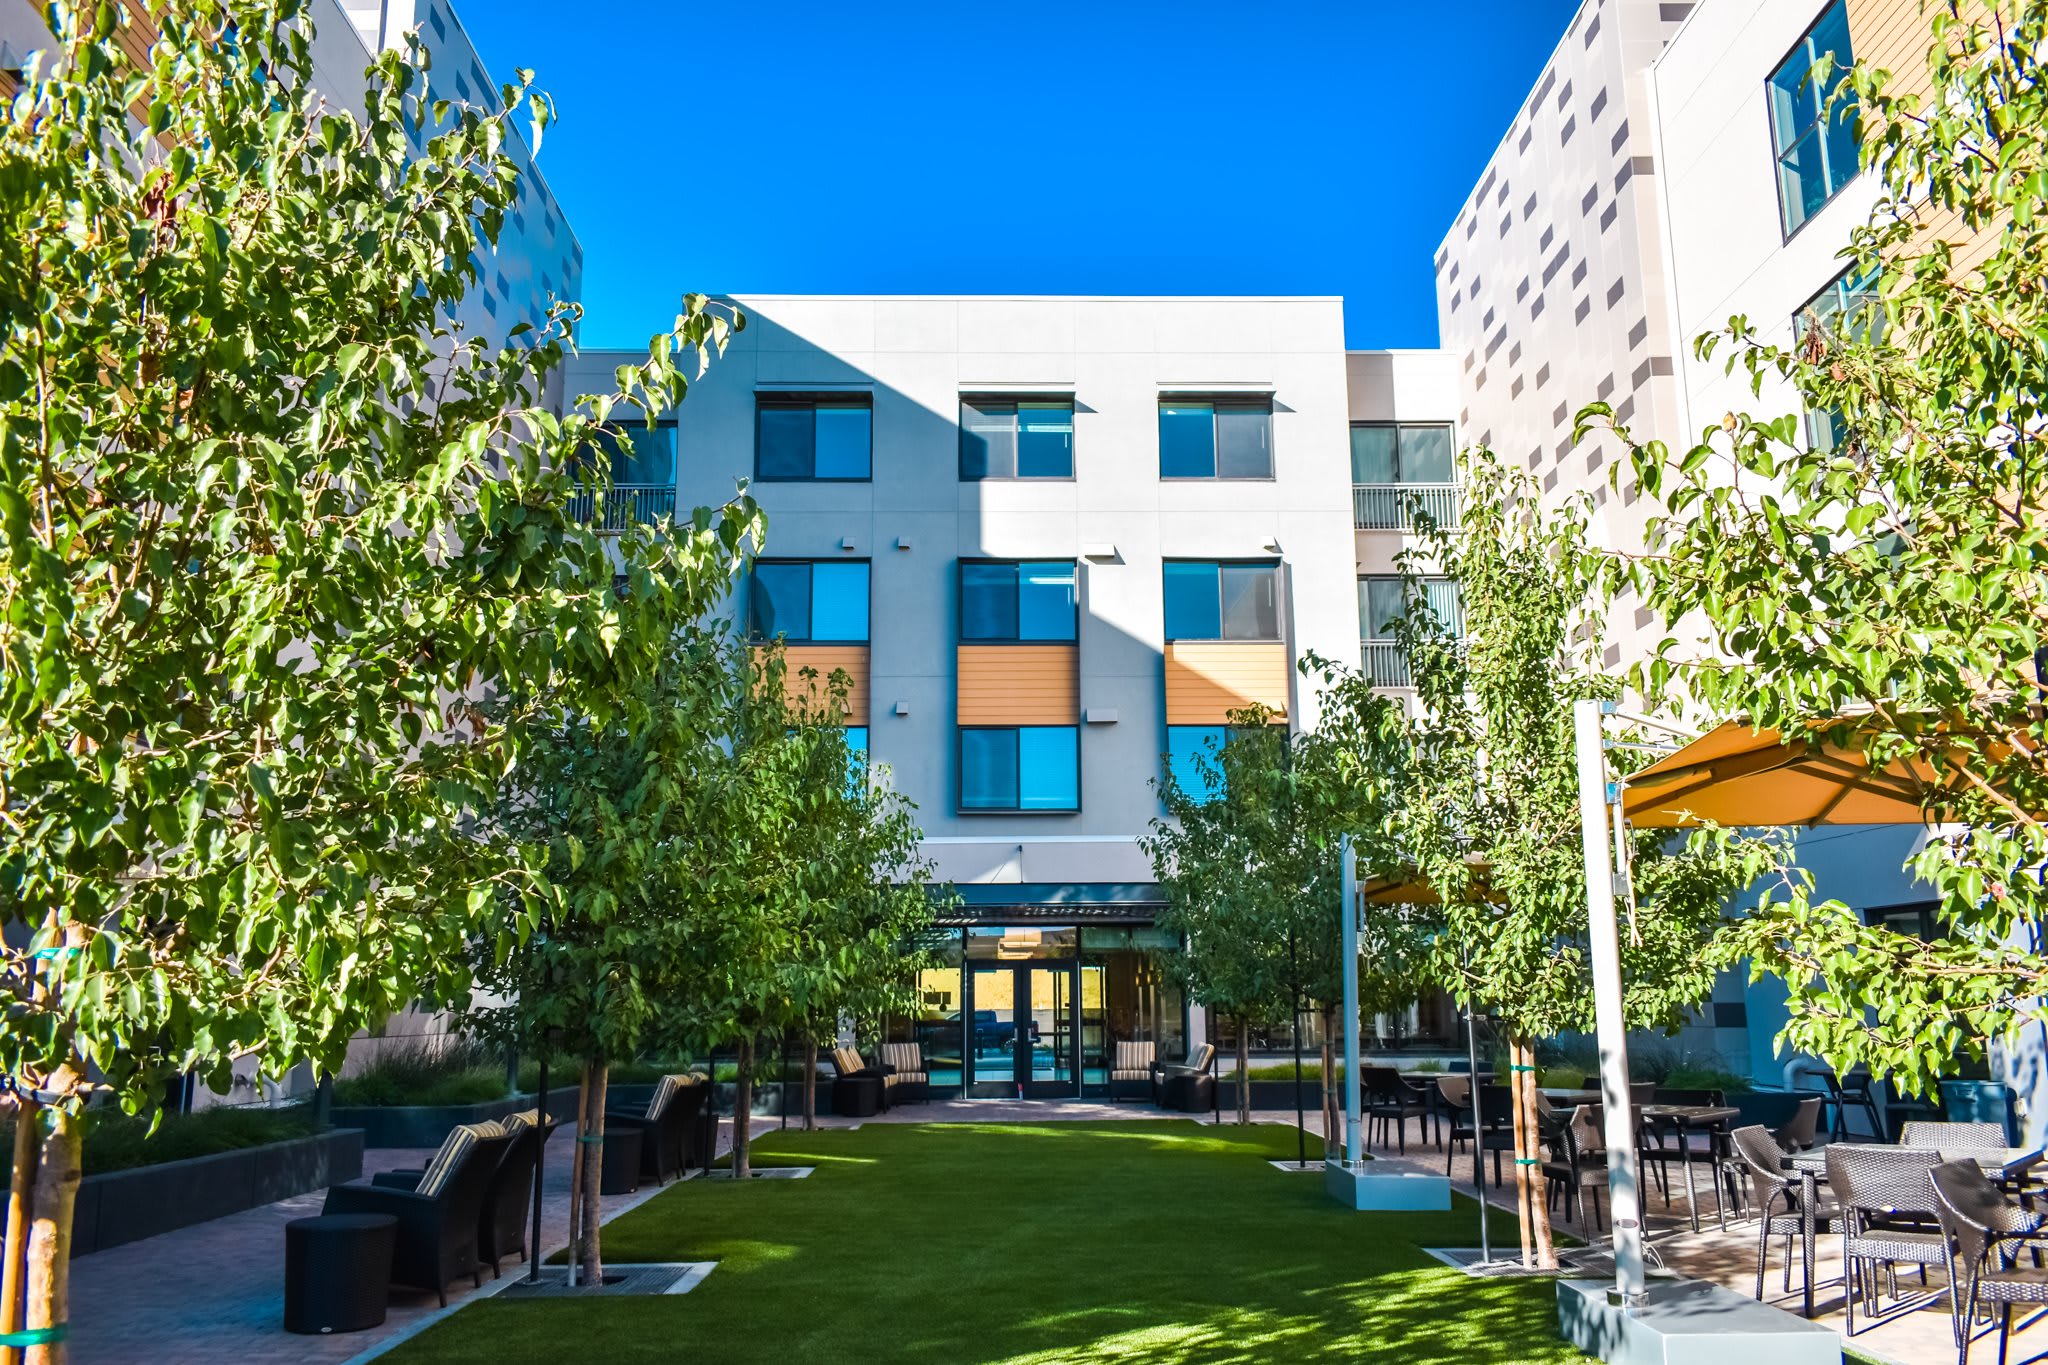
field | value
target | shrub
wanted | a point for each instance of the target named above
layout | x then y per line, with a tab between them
451	1070
114	1141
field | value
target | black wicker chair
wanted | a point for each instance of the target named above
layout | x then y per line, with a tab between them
1984	1232
1802	1130
437	1231
664	1125
1577	1162
501	1226
1187	1087
1389	1100
1778	1194
1852	1091
1887	1204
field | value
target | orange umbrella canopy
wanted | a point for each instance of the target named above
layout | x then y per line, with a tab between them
1734	775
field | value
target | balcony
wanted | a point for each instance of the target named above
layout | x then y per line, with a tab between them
622	504
1384	664
1395	506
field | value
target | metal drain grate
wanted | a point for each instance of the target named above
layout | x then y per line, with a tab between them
620	1281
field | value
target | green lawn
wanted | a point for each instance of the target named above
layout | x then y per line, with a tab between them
1135	1242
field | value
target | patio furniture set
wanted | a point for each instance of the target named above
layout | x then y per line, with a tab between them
861	1090
468	1207
1185	1087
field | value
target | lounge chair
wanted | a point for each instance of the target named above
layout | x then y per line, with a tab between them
904	1077
1187	1087
848	1062
1130	1071
664	1125
438	1210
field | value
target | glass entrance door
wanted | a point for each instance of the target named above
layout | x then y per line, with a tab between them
1023	1030
992	1032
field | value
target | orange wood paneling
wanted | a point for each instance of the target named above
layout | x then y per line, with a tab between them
138	34
1019	684
1208	679
825	658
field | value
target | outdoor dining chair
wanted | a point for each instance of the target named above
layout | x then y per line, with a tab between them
1389	1100
1778	1196
1953	1137
1577	1162
1802	1130
1984	1232
1494	1133
1852	1091
1887	1203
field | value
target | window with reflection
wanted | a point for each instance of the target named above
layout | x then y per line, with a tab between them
808	601
1003	602
1216	438
1207	600
1016	438
813	437
1812	130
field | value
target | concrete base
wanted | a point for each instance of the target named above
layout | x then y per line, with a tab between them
1689	1322
1360	1187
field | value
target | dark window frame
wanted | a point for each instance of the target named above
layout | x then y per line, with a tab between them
960	806
1829	111
1820	426
754	637
767	400
1401	479
960	635
1217	402
630	426
1365	619
1278	567
1016	400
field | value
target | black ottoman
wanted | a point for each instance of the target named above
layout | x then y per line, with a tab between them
621	1162
856	1097
337	1271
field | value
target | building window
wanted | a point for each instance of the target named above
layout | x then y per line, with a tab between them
1848	307
823	437
1016	438
1194	759
651	461
1814	137
1222	438
1020	768
1383	600
1002	602
1398	471
1212	601
808	601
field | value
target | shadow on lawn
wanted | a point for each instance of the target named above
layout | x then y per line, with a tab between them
1133	1242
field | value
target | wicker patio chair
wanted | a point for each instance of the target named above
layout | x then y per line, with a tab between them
1984	1232
1887	1203
1778	1196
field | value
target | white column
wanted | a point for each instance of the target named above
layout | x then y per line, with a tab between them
1353	1107
1624	1201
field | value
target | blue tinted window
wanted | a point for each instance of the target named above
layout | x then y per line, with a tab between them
1814	138
1048	767
1045	440
1045	601
784	436
988	770
1193	759
1194	605
988	439
988	601
1251	601
652	457
1187	441
779	601
843	443
856	756
839	601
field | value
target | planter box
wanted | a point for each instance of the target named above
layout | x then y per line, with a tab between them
118	1207
1369	1191
424	1125
1271	1095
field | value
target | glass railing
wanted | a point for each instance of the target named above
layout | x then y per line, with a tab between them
1384	663
1395	506
622	504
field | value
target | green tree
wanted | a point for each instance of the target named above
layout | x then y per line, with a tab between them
1886	589
269	525
819	892
1490	819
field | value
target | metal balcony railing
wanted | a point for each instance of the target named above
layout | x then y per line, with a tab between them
1393	506
622	504
1384	663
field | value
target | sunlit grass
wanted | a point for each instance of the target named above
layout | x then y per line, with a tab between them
1031	1244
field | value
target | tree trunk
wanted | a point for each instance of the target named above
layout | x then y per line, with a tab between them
1525	1149
743	1108
1244	1070
1333	1135
27	1132
810	1082
1539	1210
590	1154
49	1247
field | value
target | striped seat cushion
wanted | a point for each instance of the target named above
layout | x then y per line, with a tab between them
847	1060
461	1139
908	1059
665	1089
1133	1061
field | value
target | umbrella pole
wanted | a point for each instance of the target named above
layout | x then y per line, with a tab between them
1294	1028
1478	1141
1353	1106
1604	944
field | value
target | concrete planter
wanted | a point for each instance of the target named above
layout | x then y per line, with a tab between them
1361	1187
424	1125
1271	1095
1688	1322
118	1207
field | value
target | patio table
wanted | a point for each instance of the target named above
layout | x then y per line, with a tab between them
1999	1163
1713	1120
1565	1098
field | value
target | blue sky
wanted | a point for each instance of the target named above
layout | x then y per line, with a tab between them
1114	147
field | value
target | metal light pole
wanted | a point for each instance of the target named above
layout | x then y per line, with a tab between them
1623	1189
1294	1028
1478	1136
1353	1105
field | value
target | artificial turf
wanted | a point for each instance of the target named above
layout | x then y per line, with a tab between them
1149	1241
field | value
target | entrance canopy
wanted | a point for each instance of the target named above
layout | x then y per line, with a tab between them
1734	775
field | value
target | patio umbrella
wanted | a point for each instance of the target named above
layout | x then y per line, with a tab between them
1738	776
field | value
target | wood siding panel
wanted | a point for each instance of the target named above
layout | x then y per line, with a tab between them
1019	684
138	34
825	658
1208	679
1894	36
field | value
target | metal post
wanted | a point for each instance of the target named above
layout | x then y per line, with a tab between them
1294	1029
540	1161
1478	1138
1604	944
1353	1105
